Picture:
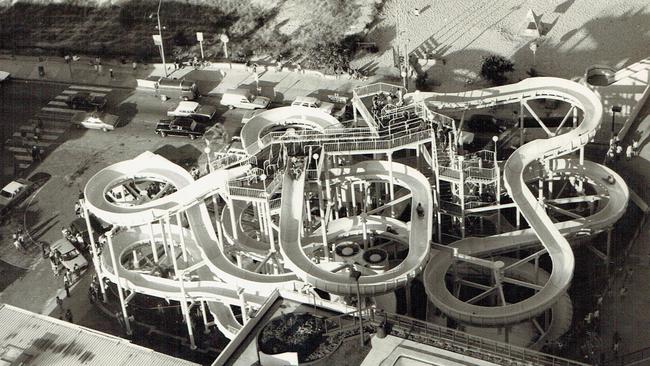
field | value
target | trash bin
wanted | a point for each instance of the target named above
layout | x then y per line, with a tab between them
41	70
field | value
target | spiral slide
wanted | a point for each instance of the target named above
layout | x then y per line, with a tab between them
341	283
533	211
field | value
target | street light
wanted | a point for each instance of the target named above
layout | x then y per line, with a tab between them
495	139
615	109
157	38
354	274
224	39
207	154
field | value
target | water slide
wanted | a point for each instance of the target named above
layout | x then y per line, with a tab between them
220	278
340	283
311	119
533	211
612	205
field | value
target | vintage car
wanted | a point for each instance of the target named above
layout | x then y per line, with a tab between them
86	101
13	193
180	126
94	121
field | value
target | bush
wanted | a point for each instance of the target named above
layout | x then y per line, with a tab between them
494	68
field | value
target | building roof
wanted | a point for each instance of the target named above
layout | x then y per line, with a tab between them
34	339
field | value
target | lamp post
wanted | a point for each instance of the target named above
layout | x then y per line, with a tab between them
354	274
224	39
207	151
615	109
157	38
199	37
497	170
533	47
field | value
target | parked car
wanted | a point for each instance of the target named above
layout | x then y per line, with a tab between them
4	76
312	102
94	121
13	193
78	226
86	101
242	98
69	254
198	112
180	126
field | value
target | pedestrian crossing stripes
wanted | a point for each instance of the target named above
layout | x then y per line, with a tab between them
73	92
49	124
91	88
57	103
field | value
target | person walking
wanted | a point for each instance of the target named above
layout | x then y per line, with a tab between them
55	266
18	245
59	303
635	147
616	343
135	65
68	316
619	151
629	152
66	284
77	271
110	72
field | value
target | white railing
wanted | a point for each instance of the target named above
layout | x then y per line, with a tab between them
366	90
378	144
449	172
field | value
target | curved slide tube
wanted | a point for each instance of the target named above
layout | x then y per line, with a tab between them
613	210
341	283
188	198
534	212
303	117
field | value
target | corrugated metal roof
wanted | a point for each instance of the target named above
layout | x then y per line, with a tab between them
40	340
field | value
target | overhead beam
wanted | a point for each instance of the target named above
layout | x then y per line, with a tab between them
532	113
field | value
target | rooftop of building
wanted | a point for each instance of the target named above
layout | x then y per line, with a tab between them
34	339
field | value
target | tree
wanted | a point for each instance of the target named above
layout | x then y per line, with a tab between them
494	68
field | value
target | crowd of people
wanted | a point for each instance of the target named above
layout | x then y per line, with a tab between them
616	150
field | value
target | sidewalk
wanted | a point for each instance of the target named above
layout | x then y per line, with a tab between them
215	79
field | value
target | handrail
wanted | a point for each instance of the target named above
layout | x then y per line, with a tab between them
464	343
247	192
367	90
635	357
448	172
480	173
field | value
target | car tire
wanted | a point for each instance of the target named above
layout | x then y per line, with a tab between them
105	129
192	137
231	107
162	134
186	99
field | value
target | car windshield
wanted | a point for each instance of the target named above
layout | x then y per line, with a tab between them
70	255
5	194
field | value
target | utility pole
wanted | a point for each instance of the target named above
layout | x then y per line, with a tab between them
158	40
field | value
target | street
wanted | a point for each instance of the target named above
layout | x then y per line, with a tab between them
71	157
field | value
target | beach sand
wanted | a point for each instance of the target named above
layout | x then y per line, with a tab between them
458	33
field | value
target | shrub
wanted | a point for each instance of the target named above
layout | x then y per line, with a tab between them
494	68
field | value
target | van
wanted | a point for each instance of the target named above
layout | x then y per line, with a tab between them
242	98
170	88
312	102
